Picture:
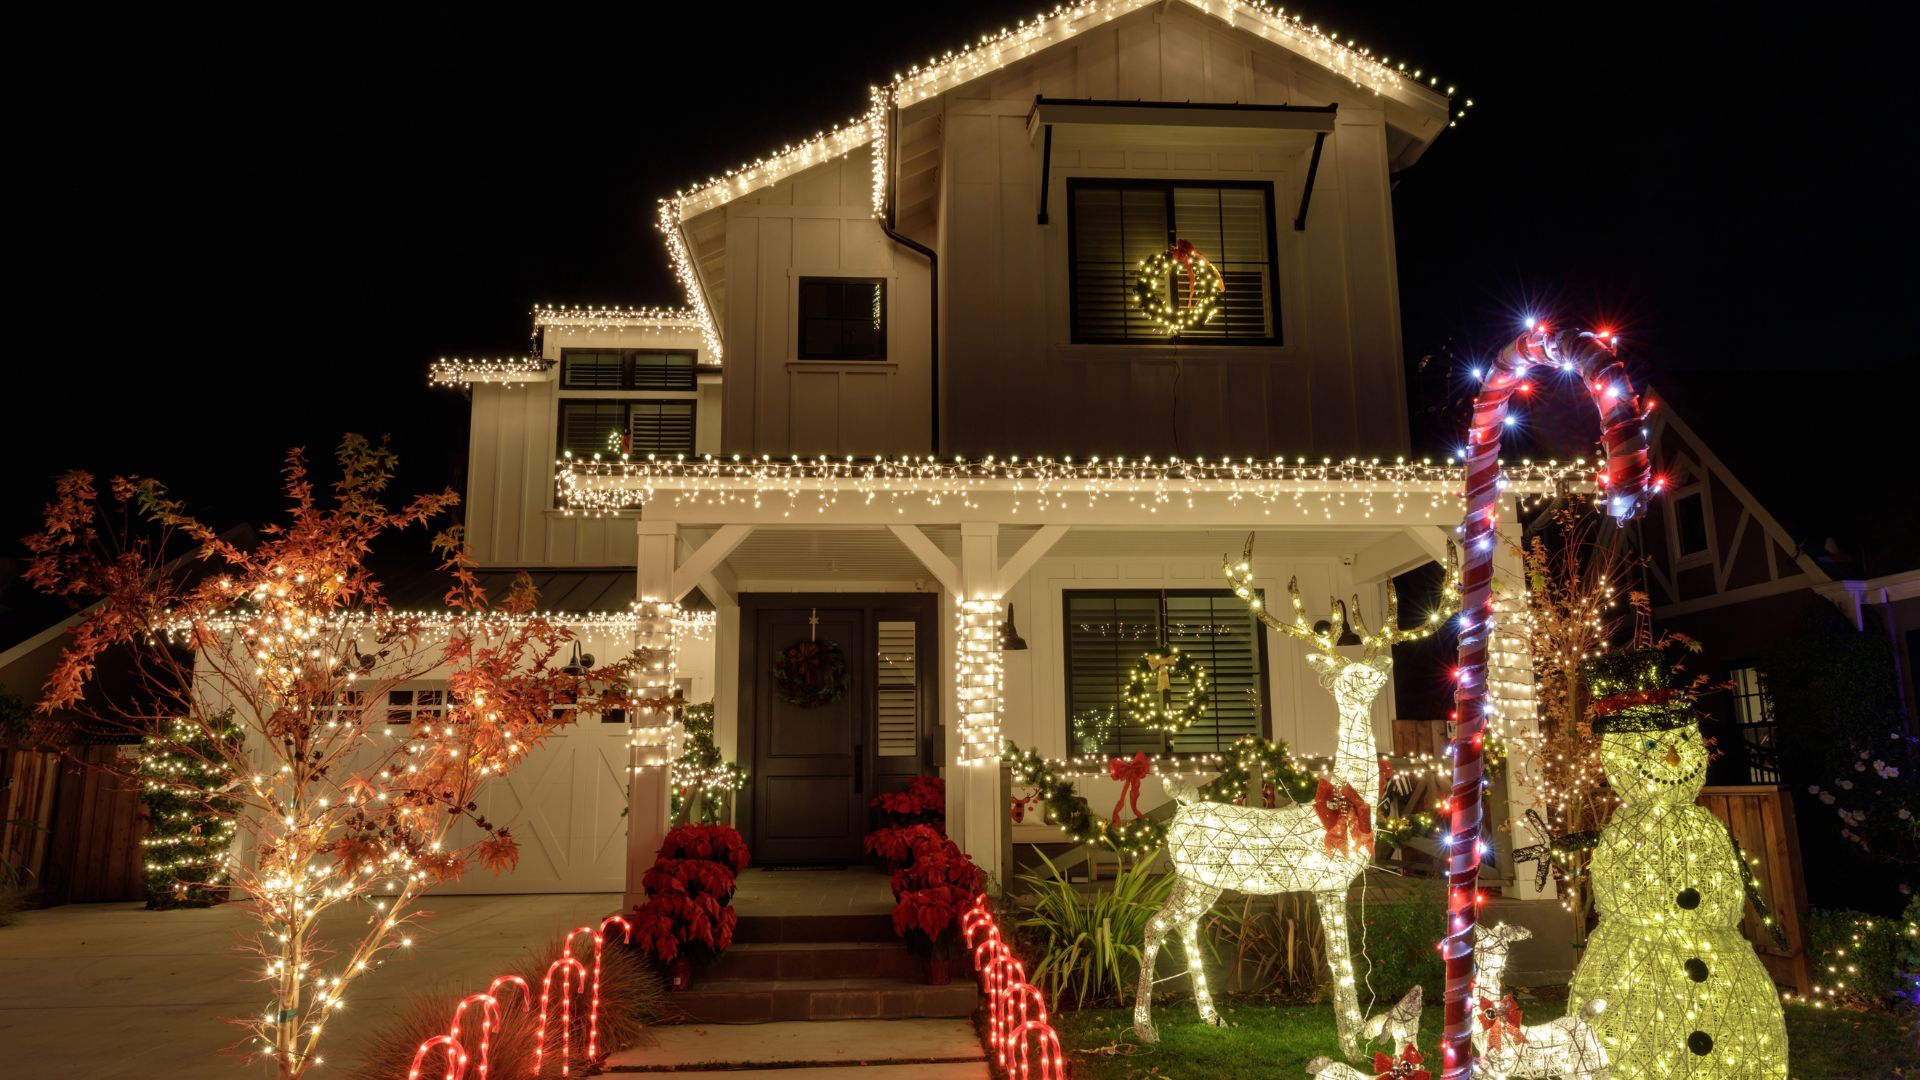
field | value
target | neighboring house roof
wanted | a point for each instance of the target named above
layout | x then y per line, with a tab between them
1358	65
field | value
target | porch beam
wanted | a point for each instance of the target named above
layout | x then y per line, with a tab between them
930	556
1399	553
1030	552
706	558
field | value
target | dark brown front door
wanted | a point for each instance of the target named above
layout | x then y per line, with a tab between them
816	767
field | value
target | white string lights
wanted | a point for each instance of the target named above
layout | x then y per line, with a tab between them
1318	490
978	677
454	371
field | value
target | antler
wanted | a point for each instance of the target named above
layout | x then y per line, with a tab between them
1240	574
1390	632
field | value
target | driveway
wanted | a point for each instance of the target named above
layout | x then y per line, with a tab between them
104	991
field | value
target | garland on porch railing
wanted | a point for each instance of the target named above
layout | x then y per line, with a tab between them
1249	757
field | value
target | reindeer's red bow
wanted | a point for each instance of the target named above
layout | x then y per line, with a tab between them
1348	821
1502	1020
1129	773
1407	1068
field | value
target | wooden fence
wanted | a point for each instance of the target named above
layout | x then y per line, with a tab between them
1761	817
30	778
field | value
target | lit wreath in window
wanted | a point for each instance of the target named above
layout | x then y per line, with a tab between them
1150	693
1204	286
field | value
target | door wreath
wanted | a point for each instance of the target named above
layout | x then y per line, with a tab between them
809	674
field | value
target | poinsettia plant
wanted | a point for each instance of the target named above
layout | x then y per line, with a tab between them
924	802
689	888
894	847
931	894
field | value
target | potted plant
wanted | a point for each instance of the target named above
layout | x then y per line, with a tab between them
930	895
908	818
689	889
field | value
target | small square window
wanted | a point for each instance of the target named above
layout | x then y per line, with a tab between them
843	319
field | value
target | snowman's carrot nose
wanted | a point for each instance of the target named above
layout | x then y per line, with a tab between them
1673	755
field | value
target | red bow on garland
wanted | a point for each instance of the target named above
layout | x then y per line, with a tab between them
1129	773
1348	820
1502	1021
1386	774
1407	1068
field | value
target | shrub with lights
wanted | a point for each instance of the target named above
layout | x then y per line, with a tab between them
703	779
190	827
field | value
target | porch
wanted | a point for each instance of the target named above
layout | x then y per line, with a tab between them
782	548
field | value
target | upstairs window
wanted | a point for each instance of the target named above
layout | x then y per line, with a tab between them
1115	225
843	319
1106	634
626	369
637	428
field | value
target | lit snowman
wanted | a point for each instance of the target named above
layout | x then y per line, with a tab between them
1685	994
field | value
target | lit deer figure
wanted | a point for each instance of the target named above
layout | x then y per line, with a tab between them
1319	847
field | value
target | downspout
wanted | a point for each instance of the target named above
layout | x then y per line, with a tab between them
933	269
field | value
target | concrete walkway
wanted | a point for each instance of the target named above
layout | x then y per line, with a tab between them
863	1049
109	991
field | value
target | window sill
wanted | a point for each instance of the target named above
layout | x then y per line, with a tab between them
889	366
1233	354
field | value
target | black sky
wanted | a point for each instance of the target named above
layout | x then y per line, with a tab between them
239	235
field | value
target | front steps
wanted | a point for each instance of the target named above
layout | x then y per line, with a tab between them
867	1049
819	967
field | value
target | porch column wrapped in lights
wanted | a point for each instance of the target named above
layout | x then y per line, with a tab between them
1625	485
978	678
653	735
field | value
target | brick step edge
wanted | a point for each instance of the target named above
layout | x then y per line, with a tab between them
714	1003
824	929
809	960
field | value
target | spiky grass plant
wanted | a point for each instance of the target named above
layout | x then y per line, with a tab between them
1090	941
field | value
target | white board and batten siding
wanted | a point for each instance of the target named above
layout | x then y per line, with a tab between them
512	516
819	223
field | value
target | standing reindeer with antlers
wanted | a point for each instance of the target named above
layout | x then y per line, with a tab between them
1319	847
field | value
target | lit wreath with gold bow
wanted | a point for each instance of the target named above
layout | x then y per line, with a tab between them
1151	288
1150	693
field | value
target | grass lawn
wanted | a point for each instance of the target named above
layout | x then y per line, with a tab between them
1277	1040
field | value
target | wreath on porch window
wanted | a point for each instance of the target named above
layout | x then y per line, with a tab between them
809	674
1150	692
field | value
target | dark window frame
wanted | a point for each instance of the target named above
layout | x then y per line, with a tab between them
1078	183
1759	738
799	318
629	368
626	404
1261	657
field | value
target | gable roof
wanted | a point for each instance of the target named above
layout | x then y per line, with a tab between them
1358	65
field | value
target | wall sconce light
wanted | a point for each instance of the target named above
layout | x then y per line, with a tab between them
1010	639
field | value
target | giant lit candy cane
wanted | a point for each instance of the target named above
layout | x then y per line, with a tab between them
1625	485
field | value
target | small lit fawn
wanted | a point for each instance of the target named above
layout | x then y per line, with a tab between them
1318	847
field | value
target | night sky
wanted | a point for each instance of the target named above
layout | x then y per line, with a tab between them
237	236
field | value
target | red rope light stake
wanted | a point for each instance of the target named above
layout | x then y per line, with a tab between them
1016	1010
1625	486
567	966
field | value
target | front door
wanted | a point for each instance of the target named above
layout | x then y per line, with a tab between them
817	764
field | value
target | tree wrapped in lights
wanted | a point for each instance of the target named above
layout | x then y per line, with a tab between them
292	642
703	779
190	830
1685	994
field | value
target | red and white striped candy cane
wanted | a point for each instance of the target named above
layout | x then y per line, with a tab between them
1625	486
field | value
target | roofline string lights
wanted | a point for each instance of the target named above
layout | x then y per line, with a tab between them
991	53
457	371
1625	485
598	485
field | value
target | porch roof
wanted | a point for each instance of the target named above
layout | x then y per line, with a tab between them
1115	491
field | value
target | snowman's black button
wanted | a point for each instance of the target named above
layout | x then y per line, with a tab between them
1697	969
1688	899
1700	1043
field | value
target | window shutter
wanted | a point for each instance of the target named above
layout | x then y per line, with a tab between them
585	427
1105	635
1114	230
663	371
583	369
1219	633
898	690
661	427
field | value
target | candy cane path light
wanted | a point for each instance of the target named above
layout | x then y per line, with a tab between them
1625	485
1017	1023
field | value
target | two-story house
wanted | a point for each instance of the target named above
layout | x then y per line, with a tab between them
914	405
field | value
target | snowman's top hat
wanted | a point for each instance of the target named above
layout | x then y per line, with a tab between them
1633	691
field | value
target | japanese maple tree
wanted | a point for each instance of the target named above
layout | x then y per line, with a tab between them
292	641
